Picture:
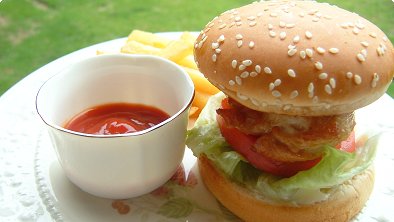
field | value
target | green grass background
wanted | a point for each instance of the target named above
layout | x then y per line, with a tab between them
36	32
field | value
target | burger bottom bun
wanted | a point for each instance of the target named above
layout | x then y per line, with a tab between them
342	205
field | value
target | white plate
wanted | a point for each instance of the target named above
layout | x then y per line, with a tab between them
34	188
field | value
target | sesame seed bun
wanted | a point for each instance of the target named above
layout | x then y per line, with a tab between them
346	201
296	57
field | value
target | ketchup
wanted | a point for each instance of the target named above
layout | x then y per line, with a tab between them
116	118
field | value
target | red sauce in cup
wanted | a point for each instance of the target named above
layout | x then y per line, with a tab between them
116	118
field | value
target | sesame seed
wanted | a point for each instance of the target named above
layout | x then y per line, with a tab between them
276	93
273	14
312	12
271	86
239	43
333	50
247	62
349	75
277	82
293	94
290	25
242	67
287	107
380	51
364	52
309	52
291	47
357	79
292	52
385	38
251	24
221	38
320	50
319	65
383	46
210	25
365	44
237	19
255	102
360	25
272	34
218	51
270	26
333	83
308	34
251	44
374	80
296	39
251	18
257	68
222	26
259	14
253	74
234	64
238	23
242	97
291	73
301	14
323	75
282	24
302	54
214	57
267	70
361	57
238	37
231	82
238	80
344	25
231	24
311	87
244	75
282	35
372	34
315	19
196	45
328	89
215	45
327	17
356	30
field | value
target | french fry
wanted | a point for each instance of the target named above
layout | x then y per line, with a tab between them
200	99
177	50
188	62
193	110
148	38
201	84
188	37
134	47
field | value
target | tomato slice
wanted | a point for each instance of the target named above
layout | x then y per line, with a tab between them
243	144
348	145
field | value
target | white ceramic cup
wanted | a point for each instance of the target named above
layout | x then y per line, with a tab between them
123	165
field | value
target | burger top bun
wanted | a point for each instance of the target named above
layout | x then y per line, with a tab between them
296	57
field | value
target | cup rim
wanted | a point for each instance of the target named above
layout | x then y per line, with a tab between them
137	133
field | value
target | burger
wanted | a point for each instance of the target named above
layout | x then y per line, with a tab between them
280	141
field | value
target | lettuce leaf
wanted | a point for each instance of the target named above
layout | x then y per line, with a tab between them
305	187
